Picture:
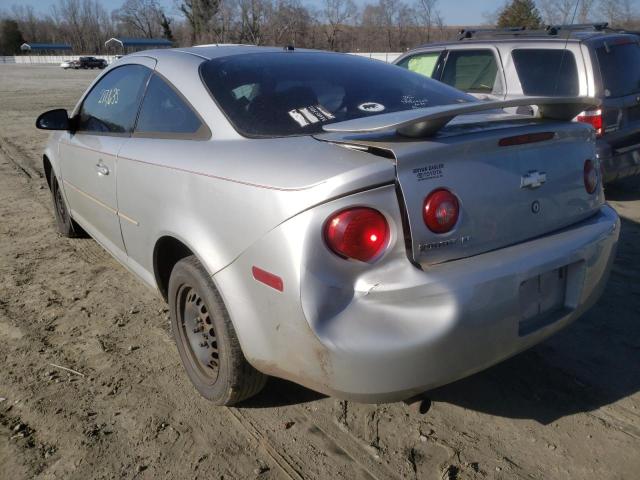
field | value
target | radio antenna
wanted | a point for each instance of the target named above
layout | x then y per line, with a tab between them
564	51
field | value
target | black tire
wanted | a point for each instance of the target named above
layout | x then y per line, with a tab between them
65	225
205	337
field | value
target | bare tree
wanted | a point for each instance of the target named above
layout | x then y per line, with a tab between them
388	11
619	13
557	12
141	17
83	23
584	10
27	20
290	22
383	25
254	15
428	15
337	14
405	23
224	22
199	14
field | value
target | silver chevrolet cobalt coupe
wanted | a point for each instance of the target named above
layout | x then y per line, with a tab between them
332	220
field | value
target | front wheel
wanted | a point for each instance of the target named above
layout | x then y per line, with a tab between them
65	225
205	337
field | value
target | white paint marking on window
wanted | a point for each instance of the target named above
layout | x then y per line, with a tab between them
297	116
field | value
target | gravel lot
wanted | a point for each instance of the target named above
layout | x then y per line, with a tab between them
567	409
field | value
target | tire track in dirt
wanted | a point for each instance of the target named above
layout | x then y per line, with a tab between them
280	426
12	153
284	462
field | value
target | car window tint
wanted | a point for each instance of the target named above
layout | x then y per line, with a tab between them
296	93
471	70
112	105
165	113
620	69
422	63
546	71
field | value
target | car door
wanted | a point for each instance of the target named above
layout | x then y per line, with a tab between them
103	121
150	164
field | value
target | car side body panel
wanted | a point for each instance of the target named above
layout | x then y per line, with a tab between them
202	192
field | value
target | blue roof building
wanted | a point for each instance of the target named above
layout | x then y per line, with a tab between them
134	44
45	47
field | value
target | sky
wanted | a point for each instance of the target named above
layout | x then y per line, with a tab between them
454	12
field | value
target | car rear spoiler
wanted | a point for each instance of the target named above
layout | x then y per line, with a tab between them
424	122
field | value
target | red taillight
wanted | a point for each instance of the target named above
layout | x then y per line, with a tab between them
590	176
360	233
593	118
440	211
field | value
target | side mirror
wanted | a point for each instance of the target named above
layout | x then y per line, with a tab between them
57	119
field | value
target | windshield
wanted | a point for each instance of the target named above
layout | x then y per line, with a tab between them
296	93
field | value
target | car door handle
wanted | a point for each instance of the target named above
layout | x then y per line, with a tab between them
102	169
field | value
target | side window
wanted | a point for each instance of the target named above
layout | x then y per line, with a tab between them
546	71
422	63
473	71
165	114
112	105
614	58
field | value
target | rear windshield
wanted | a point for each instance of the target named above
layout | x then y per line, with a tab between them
296	93
546	72
619	69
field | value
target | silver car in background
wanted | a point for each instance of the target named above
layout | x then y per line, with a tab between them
336	221
562	60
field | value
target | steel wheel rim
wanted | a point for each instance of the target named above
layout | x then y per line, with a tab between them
197	334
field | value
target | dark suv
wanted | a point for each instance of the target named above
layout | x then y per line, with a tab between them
92	62
578	60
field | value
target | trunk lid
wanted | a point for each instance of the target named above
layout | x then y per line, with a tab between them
502	200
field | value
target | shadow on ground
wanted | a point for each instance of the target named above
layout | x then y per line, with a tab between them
281	393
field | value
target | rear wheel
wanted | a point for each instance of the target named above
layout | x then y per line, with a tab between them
65	225
205	337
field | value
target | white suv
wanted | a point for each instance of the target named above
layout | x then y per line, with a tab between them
578	60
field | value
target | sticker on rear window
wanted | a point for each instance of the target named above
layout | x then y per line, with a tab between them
309	115
371	107
298	117
414	102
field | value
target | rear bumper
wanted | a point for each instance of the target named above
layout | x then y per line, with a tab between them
403	331
618	164
435	327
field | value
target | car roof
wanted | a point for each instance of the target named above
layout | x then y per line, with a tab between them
208	52
576	37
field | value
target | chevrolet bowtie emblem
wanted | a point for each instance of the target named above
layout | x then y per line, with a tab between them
533	179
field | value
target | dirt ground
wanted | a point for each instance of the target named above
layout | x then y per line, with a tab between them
567	409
